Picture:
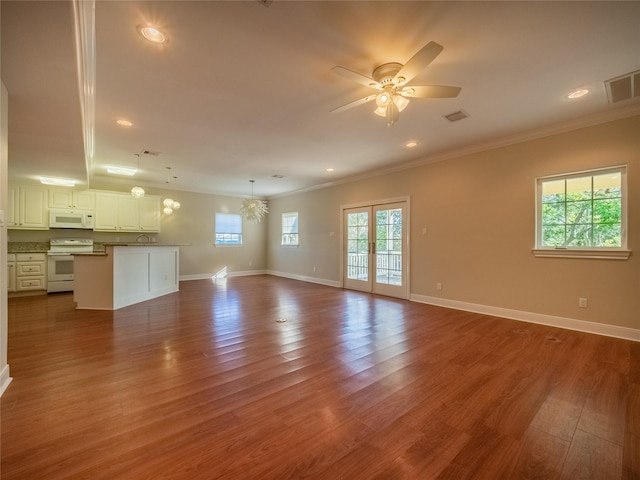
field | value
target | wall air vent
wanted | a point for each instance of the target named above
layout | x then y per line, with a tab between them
623	88
151	153
455	116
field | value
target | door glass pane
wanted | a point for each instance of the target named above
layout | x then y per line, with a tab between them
389	246
358	246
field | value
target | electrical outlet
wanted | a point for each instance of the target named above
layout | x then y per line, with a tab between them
315	269
438	286
582	302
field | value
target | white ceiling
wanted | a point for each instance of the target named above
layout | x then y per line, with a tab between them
244	91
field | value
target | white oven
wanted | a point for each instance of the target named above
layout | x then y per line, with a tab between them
60	262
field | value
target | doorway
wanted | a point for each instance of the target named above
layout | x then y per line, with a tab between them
375	248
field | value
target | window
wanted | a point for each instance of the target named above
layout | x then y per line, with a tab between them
582	211
290	228
228	229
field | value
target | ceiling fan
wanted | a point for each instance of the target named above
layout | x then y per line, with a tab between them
390	79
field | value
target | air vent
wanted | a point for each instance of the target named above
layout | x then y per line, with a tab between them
455	116
151	153
623	88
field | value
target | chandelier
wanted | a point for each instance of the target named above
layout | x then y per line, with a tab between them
253	209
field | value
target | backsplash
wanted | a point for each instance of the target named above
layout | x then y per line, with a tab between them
33	247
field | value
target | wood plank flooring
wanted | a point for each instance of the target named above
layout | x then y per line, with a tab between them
208	384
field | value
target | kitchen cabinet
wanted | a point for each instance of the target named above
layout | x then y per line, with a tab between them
11	272
123	213
75	199
27	208
30	271
149	207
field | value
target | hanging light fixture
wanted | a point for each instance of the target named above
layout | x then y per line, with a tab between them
169	206
390	104
137	192
253	209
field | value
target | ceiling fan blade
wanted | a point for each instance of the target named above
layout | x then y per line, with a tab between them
356	77
349	105
418	62
430	91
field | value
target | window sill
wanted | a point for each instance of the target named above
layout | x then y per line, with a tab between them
289	245
578	253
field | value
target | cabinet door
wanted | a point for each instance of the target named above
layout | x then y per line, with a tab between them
12	214
11	276
106	217
149	213
59	198
33	208
128	214
84	200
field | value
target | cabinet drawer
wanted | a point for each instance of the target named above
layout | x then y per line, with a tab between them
30	257
30	283
29	269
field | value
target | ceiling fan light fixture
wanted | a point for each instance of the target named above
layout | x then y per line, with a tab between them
393	114
383	98
400	102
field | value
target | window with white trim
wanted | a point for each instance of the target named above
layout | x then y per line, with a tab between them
228	229
290	228
582	211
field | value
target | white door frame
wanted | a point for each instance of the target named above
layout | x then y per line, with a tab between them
406	251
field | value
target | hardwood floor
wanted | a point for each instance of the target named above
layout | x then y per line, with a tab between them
207	383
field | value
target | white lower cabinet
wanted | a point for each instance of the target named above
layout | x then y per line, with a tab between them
11	272
30	272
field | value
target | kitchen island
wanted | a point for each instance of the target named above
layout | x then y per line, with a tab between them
125	274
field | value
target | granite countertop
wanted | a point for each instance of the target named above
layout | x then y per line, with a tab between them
143	244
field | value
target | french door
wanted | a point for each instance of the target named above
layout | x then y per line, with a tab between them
375	249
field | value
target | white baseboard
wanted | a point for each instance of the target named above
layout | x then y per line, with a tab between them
542	319
209	276
5	379
304	278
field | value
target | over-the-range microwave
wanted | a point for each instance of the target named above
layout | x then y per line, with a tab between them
71	219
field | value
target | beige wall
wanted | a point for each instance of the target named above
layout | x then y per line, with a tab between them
479	214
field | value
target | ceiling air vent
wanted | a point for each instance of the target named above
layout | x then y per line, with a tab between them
624	87
455	116
150	153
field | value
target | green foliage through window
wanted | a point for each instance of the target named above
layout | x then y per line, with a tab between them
582	210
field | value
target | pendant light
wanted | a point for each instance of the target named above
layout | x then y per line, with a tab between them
253	209
169	204
137	192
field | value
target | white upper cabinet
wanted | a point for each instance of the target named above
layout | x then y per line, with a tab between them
149	213
121	212
27	208
74	199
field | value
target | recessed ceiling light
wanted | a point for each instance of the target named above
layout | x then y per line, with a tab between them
124	123
128	171
411	144
580	92
59	182
330	169
152	34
